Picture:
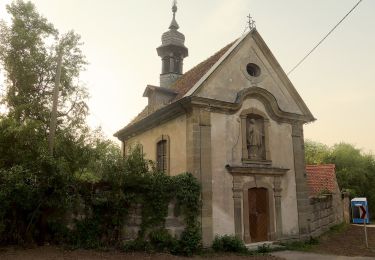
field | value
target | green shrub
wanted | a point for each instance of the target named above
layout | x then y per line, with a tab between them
263	249
38	196
228	243
86	235
190	241
162	241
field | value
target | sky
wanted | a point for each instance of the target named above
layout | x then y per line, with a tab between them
337	82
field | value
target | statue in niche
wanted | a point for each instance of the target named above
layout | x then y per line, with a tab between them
255	139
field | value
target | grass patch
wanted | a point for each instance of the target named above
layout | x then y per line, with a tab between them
229	244
301	245
340	228
309	244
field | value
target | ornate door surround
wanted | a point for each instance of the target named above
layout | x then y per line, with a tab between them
240	197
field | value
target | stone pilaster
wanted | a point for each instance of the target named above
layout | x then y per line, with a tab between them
303	206
199	164
192	142
206	173
277	195
237	197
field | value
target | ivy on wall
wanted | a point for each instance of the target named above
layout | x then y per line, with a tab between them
131	182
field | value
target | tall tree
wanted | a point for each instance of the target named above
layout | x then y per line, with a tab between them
37	189
316	153
355	170
28	54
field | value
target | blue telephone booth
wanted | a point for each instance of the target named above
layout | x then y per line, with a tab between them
356	213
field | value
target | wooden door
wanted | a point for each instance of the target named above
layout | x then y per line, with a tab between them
258	214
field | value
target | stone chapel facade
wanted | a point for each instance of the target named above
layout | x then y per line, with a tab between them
235	121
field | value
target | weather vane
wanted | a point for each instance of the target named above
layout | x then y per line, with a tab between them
251	22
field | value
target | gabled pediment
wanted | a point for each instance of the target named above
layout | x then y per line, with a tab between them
249	63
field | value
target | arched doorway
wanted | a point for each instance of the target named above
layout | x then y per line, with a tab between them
258	214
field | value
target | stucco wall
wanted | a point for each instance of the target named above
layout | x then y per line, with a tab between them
227	149
231	77
176	131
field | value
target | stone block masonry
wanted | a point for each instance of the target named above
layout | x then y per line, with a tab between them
324	213
173	223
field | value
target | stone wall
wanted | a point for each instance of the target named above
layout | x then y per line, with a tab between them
327	211
173	223
346	207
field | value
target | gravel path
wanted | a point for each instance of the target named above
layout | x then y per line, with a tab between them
55	253
293	255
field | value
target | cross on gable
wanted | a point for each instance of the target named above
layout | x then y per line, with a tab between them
251	22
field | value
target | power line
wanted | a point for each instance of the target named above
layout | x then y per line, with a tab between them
316	46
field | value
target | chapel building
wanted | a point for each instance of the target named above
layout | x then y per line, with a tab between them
235	121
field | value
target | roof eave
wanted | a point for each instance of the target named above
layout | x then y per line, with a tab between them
159	117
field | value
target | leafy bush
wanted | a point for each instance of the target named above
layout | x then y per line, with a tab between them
86	235
229	243
263	249
162	241
190	241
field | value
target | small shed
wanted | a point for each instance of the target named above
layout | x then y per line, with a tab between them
356	213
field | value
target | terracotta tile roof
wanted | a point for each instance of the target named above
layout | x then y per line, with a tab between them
188	80
321	177
191	77
139	117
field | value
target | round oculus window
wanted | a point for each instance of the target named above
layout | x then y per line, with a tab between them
253	70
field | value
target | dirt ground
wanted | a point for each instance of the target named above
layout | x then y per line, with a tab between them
351	242
55	253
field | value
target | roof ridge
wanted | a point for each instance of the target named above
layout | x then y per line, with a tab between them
210	57
326	165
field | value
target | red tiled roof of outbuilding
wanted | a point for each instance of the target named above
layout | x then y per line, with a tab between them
320	178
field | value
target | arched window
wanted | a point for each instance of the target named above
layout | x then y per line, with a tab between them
162	154
177	66
166	65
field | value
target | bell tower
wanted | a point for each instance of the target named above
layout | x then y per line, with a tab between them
172	52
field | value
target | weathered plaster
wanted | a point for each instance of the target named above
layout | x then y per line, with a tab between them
223	137
229	78
227	149
176	131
